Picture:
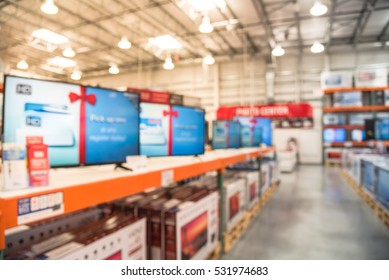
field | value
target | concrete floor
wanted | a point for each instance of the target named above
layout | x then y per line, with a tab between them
314	214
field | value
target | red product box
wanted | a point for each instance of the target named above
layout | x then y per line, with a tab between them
37	162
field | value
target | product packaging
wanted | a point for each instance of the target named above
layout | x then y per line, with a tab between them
234	201
14	166
37	162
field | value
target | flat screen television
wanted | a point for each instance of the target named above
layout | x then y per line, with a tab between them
255	131
171	130
334	135
382	129
358	135
226	134
81	125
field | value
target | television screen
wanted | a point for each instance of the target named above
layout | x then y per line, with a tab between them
255	131
171	130
359	119
226	134
334	135
81	125
334	119
344	99
382	129
358	135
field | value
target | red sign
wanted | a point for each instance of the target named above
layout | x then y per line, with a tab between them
161	97
37	162
297	110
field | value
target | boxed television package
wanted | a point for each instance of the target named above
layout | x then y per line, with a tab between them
371	78
117	238
274	173
345	99
265	177
368	171
252	187
234	201
190	230
338	79
382	183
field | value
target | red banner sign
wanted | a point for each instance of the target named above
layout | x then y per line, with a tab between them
277	111
161	97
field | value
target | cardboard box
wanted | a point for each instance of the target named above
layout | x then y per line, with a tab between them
191	229
234	201
339	79
252	187
14	166
265	177
371	78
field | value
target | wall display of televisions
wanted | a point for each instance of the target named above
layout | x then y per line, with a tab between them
85	125
340	127
241	132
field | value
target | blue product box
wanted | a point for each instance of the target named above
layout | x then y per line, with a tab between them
368	175
382	184
346	99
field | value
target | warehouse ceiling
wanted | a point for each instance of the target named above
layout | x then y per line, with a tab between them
93	29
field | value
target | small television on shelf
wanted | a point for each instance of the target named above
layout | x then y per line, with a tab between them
255	131
358	135
226	134
171	130
81	125
334	135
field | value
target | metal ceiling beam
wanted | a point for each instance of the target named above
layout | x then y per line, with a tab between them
330	24
261	12
384	34
121	13
279	5
296	16
231	48
371	8
253	47
359	21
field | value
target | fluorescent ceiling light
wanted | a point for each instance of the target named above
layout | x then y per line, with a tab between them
317	47
50	36
62	62
124	43
22	64
209	59
278	51
206	26
69	52
168	65
49	7
318	8
76	75
204	5
165	42
114	69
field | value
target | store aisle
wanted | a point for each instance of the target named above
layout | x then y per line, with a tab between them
314	214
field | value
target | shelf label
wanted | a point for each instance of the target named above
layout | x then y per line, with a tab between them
44	206
167	177
348	144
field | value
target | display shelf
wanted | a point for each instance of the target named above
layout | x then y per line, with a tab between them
355	109
85	187
357	144
331	91
345	126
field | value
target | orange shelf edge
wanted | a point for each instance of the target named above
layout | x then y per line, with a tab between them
82	196
355	109
331	91
356	144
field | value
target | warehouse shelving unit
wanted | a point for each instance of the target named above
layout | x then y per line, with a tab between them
90	186
353	109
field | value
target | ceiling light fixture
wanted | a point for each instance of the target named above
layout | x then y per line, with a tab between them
68	52
50	36
278	51
49	7
317	47
208	59
62	62
318	9
76	75
22	64
114	69
168	65
206	26
165	42
124	43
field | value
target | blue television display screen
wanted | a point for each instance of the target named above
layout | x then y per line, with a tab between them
81	125
255	131
226	134
382	129
334	135
171	130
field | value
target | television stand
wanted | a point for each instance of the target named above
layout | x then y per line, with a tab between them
121	166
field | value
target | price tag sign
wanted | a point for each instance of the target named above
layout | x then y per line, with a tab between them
348	144
40	207
167	178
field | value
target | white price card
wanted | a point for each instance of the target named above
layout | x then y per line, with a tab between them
167	177
35	208
348	144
